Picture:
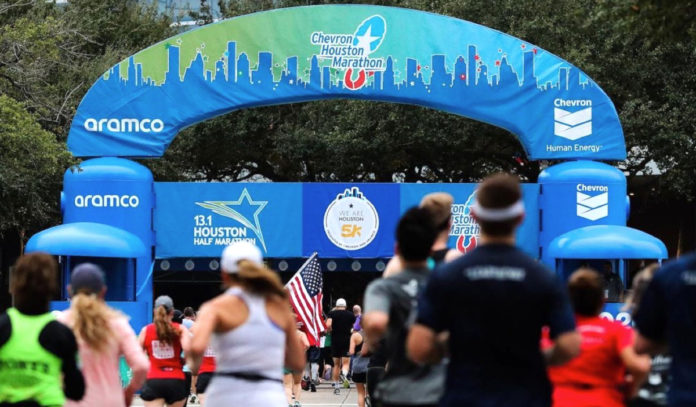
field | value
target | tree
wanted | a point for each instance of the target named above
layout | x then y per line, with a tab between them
32	164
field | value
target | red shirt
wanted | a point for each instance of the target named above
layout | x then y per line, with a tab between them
208	363
165	359
593	378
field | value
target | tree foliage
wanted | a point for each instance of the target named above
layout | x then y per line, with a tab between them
32	159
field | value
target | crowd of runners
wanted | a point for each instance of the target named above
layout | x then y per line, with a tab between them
491	328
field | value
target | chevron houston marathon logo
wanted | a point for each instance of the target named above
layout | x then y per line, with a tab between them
592	201
350	53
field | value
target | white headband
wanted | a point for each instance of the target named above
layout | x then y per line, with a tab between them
499	214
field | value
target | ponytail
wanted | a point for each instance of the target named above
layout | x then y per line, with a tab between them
259	280
91	320
165	330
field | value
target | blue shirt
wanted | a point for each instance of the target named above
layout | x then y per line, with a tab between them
667	313
494	302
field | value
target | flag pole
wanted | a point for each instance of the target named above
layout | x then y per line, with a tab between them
302	267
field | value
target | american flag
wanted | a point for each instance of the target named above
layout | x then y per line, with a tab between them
305	289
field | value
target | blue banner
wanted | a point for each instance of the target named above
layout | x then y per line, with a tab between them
200	219
350	220
356	51
295	220
464	234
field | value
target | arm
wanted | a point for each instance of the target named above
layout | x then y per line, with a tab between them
424	345
561	323
353	343
194	347
304	341
295	358
141	339
565	347
376	317
375	325
638	366
329	322
59	340
135	357
644	345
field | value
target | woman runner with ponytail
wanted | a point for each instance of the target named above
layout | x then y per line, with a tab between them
253	333
163	341
103	335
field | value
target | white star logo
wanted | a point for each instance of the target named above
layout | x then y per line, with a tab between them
365	40
223	208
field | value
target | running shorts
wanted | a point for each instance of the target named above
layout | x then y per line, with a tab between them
171	390
339	347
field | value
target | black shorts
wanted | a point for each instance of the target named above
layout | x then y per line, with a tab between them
339	349
326	356
359	377
313	354
203	381
171	390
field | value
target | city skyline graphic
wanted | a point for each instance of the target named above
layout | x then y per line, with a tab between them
468	71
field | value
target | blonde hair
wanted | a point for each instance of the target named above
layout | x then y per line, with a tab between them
91	318
164	328
258	279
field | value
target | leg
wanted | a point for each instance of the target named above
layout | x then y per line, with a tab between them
336	370
297	386
361	394
374	375
345	366
287	385
154	403
201	399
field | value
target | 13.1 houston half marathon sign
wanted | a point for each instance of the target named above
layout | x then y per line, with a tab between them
366	52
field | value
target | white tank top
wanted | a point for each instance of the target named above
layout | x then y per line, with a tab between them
257	346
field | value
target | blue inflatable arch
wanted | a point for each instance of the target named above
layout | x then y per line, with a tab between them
363	52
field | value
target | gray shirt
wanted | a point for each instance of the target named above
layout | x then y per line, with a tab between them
404	382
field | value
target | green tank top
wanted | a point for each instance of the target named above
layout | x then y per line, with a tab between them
27	370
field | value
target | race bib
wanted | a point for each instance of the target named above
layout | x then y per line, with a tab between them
161	350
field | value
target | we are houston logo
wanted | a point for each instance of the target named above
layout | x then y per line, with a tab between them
350	52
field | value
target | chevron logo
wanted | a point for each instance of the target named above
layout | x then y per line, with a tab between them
592	207
572	125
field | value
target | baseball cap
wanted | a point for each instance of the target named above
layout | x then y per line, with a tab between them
237	251
440	206
164	301
340	302
87	277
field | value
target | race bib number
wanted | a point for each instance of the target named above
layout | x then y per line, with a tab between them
209	352
161	350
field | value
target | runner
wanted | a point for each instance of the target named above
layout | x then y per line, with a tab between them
666	317
439	204
598	376
37	353
253	333
103	335
163	341
390	304
494	302
340	323
654	390
359	363
292	380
